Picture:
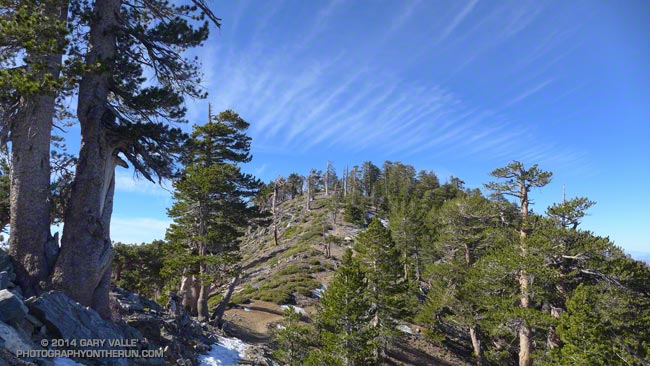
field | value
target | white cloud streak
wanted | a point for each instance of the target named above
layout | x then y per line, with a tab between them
306	96
458	19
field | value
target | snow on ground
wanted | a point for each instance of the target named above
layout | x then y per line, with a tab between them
319	291
64	361
297	309
405	328
225	353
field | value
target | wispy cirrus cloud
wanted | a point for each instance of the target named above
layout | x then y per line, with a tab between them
528	92
457	20
305	95
406	13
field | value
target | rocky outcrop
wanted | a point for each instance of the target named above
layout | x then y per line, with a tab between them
7	274
8	359
11	307
12	340
53	315
181	337
5	280
65	318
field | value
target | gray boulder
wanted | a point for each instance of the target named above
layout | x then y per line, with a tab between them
11	307
66	319
130	303
5	280
148	325
8	359
12	340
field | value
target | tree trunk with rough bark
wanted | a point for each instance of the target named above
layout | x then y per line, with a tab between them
203	313
525	347
202	303
476	345
274	208
525	341
309	191
221	309
86	250
32	247
327	178
188	293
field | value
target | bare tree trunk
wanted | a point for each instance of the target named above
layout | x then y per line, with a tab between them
86	251
345	182
29	194
525	347
309	191
203	312
195	290
275	219
202	302
31	244
100	296
327	175
476	345
525	341
186	291
221	309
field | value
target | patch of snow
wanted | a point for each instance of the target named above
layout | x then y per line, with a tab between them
319	291
405	328
64	361
297	309
227	352
247	309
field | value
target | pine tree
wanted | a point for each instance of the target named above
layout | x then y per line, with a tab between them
345	314
124	117
292	340
466	230
32	47
387	288
211	200
369	175
518	183
602	327
294	183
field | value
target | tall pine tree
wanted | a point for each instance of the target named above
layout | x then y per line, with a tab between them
346	313
387	288
518	181
211	205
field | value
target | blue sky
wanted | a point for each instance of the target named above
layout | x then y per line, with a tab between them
456	87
